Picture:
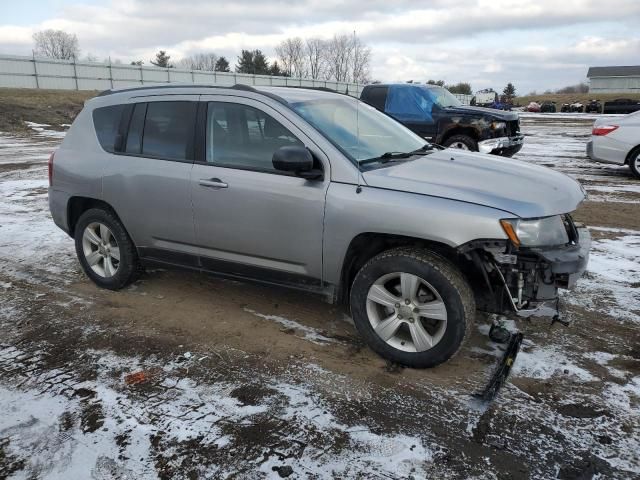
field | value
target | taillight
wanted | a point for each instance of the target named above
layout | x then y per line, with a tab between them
603	129
50	164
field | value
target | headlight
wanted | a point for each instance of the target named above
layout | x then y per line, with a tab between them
536	232
498	125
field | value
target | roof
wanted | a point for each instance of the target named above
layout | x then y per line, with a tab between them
618	71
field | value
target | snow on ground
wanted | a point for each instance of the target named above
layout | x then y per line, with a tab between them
43	428
612	284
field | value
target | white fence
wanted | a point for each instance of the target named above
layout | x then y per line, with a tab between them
27	72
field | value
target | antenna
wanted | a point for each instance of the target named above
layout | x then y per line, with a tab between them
359	187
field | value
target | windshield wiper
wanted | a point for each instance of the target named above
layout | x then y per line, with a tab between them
390	156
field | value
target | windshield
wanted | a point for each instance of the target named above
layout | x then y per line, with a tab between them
440	96
357	129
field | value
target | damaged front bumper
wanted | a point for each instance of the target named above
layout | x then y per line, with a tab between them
525	278
506	146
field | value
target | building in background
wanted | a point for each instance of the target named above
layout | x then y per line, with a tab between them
621	79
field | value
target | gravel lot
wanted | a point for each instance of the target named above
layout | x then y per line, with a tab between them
186	376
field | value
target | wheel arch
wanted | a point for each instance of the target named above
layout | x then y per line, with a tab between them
365	246
77	205
466	130
634	151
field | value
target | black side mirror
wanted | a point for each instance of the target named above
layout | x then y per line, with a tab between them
296	159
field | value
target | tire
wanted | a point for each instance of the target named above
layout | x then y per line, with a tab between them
108	257
462	142
634	163
440	285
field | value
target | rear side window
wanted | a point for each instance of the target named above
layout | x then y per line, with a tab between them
169	130
106	121
376	97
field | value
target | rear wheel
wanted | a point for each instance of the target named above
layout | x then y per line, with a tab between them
462	142
104	249
634	163
412	307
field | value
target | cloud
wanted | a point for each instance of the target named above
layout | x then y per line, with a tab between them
541	44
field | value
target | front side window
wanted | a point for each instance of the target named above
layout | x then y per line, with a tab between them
106	121
405	104
357	129
244	137
169	130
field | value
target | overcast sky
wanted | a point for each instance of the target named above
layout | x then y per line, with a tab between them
536	44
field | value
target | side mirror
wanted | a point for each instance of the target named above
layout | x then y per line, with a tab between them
297	160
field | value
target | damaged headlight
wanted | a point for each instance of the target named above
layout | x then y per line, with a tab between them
536	232
498	125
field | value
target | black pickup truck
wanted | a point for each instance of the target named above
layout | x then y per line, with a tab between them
436	115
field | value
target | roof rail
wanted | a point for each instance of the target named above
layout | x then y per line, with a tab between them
237	86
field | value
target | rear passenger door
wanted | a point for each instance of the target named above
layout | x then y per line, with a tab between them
147	180
252	220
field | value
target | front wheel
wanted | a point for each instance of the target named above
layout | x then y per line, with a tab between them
412	307
462	142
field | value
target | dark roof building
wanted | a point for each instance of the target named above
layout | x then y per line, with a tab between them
615	79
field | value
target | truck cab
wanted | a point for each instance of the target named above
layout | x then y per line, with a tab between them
438	116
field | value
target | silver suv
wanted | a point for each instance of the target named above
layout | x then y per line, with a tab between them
320	192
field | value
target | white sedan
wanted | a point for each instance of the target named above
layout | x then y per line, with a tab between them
617	140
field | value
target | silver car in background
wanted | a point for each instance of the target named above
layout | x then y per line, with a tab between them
617	140
320	192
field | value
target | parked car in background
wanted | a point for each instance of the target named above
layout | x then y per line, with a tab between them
617	140
533	107
594	106
320	192
438	117
576	107
621	106
548	107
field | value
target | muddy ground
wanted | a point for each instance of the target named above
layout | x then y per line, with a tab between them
186	376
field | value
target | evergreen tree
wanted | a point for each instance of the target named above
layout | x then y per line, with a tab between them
252	62
509	91
275	70
162	60
222	65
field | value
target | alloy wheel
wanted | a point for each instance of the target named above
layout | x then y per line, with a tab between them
101	250
406	312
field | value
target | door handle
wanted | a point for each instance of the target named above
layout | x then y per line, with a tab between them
213	183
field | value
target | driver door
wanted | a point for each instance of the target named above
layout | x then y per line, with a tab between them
252	220
411	109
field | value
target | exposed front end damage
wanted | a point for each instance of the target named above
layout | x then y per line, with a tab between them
512	278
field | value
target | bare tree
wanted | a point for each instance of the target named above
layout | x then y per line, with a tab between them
200	61
291	54
360	61
315	57
56	44
338	55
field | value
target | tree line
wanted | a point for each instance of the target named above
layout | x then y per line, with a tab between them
343	58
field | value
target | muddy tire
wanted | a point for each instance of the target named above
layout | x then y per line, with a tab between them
412	307
462	142
634	162
105	251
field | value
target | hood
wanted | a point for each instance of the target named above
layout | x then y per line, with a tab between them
520	188
482	112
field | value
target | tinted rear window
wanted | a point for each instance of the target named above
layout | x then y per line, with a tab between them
106	121
169	130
